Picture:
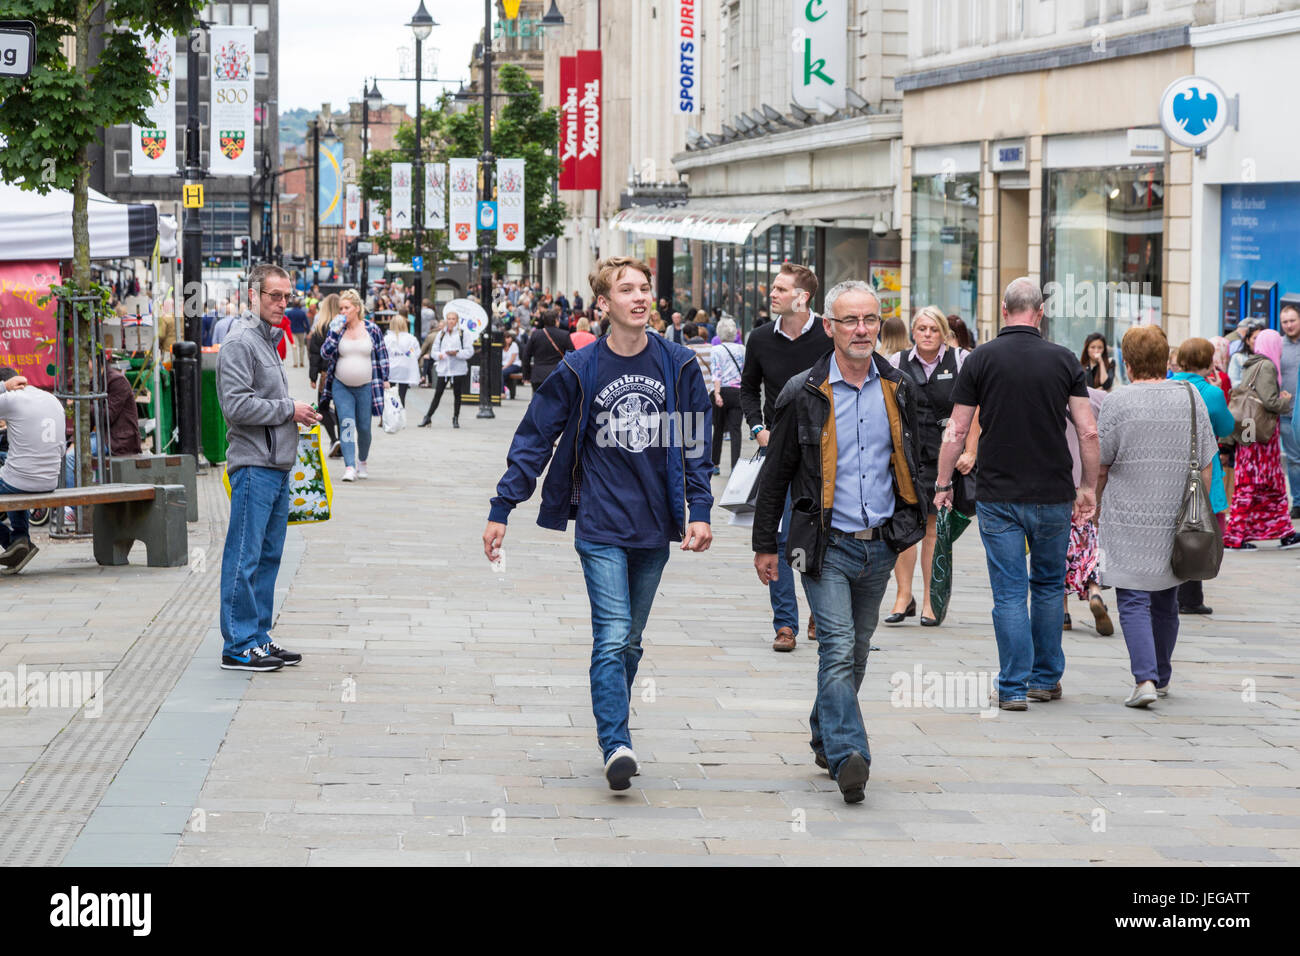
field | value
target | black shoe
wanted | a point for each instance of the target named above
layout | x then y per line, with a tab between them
1067	624
852	778
1290	541
336	449
897	616
455	421
424	422
1194	609
17	555
819	759
1244	546
289	657
253	659
929	621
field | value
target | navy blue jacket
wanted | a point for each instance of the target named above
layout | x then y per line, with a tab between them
560	409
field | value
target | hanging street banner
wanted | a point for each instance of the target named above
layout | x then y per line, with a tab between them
435	196
462	206
377	226
27	328
352	212
510	205
400	200
686	58
329	184
153	146
568	121
230	114
820	52
589	125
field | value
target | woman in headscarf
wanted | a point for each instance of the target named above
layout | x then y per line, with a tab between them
1227	449
1260	509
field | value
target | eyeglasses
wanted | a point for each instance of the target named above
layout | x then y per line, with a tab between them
276	296
853	323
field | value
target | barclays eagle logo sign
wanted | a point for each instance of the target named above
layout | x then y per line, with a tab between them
1193	111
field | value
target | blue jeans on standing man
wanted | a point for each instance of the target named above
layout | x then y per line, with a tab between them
1029	640
1291	452
785	605
259	519
845	602
621	585
353	405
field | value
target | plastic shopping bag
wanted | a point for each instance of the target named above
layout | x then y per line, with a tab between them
742	486
948	528
311	496
394	417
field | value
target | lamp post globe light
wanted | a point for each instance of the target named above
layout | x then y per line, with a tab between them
421	26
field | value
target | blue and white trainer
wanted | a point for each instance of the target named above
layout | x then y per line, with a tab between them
620	768
289	657
252	659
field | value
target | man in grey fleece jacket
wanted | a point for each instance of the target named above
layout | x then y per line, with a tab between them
262	429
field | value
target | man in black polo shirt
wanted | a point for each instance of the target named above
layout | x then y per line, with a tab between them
1022	385
776	352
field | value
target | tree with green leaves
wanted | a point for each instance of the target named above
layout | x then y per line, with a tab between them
51	118
523	130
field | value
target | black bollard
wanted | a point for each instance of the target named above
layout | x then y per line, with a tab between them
185	366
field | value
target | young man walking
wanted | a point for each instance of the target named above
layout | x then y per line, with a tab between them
262	427
845	447
632	419
790	344
1022	385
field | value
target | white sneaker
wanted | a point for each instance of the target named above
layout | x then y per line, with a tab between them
620	768
1144	694
350	474
1162	691
361	470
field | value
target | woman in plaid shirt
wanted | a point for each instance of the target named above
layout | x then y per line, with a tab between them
356	368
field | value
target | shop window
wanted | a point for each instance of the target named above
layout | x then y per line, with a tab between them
262	16
239	14
945	243
1103	238
683	268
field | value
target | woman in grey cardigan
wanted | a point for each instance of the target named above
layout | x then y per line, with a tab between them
1146	435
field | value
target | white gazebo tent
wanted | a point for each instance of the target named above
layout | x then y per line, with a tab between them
35	227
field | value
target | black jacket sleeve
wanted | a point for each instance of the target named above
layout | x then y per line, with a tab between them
779	467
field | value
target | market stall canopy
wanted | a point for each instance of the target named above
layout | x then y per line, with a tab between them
733	219
35	227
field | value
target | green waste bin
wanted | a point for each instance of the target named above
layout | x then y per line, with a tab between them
165	414
212	421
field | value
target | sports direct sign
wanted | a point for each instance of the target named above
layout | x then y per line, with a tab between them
685	58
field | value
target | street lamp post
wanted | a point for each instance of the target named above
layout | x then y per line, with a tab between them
485	377
421	26
370	100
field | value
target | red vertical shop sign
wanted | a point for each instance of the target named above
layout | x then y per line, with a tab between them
589	126
27	328
568	122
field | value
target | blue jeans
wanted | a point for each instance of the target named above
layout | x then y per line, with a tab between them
785	606
1029	641
621	585
259	518
845	602
1149	620
352	406
1291	452
18	524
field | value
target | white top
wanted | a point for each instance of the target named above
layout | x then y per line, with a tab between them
510	356
812	317
36	438
727	361
461	344
353	368
403	358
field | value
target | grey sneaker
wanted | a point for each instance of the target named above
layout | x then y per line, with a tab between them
1144	694
1162	691
17	555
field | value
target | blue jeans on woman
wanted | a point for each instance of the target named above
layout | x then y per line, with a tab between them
259	519
621	585
1029	641
352	405
1149	620
845	602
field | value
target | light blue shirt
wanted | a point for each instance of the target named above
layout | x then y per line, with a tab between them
221	328
864	486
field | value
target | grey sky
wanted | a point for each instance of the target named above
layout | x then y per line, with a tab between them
328	47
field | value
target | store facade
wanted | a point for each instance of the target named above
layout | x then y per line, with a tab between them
1050	165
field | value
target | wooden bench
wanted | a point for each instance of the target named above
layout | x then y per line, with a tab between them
124	514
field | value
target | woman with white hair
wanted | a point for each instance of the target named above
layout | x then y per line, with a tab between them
727	360
450	350
356	375
403	354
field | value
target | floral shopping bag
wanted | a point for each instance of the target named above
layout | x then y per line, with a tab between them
310	492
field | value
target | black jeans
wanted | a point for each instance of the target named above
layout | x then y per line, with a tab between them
459	385
327	419
727	419
401	392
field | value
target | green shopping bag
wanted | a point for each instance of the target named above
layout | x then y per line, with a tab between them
948	528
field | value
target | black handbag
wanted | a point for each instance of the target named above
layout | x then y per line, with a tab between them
1198	544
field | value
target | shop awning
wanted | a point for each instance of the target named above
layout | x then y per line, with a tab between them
733	219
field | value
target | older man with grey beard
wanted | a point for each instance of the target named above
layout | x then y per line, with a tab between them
1022	385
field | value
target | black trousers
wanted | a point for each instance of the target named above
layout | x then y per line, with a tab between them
728	418
327	419
459	386
401	392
